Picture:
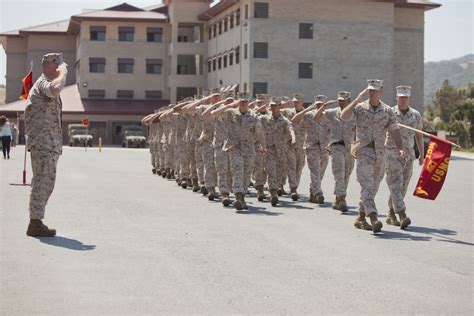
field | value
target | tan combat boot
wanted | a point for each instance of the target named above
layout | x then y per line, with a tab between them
159	171
239	203
225	199
153	170
376	224
320	198
195	185
244	204
294	195
274	197
404	220
184	183
342	204
391	218
204	190
212	194
36	228
313	198
335	204
281	191
361	223
260	194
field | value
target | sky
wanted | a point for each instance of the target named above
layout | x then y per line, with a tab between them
448	30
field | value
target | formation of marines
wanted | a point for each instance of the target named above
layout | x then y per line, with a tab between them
231	142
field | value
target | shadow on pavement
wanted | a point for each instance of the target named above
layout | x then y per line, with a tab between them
296	205
65	242
440	233
400	236
258	211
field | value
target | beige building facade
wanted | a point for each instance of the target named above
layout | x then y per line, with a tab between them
123	56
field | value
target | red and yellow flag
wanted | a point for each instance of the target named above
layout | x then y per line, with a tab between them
435	169
27	84
85	122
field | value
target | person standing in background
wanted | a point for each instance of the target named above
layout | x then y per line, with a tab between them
6	136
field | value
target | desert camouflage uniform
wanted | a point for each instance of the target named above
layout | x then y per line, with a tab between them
206	139
259	173
167	143
371	127
324	139
277	134
224	177
159	144
399	171
342	162
241	133
296	154
181	155
190	146
43	120
196	133
314	151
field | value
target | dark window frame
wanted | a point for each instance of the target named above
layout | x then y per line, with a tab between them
258	7
260	50
304	32
301	71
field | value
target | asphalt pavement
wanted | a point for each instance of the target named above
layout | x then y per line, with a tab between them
132	243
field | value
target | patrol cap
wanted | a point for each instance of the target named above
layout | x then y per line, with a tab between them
56	58
343	95
297	97
374	84
262	97
275	101
320	98
244	96
403	91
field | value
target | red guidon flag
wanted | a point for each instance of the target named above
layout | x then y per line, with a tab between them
85	122
27	84
435	169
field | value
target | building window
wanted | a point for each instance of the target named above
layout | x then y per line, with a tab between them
96	94
153	66
225	61
261	10
305	70
214	62
125	65
237	17
124	94
209	66
246	12
231	21
126	33
245	51
260	50
153	94
306	30
182	38
226	24
231	59
220	27
260	88
97	33
214	28
219	62
245	87
209	30
154	34
97	65
237	55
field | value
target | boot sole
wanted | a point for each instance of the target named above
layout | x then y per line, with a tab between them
226	203
274	201
210	197
238	205
377	227
294	197
260	198
405	223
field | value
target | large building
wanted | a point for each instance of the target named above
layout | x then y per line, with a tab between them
127	61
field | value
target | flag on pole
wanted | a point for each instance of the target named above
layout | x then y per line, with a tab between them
435	169
27	84
85	122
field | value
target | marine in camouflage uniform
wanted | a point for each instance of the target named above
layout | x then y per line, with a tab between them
43	127
313	147
259	175
399	171
296	154
373	118
243	127
278	130
342	162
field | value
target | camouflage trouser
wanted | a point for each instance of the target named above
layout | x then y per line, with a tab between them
43	164
199	161
295	164
210	175
192	160
242	164
370	172
259	173
182	158
399	173
313	155
324	162
169	155
342	165
153	154
224	178
161	155
275	166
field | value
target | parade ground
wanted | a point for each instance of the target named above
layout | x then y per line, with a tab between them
132	243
